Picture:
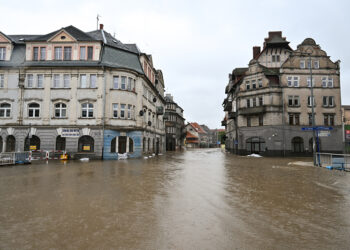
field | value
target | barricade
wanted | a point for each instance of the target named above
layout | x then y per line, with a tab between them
334	161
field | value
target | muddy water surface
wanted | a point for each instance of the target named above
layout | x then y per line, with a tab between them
198	199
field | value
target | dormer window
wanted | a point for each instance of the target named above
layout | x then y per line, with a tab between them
39	53
58	53
2	53
63	37
275	58
86	53
67	53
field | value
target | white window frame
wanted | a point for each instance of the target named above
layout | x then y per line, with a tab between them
66	81
115	82
83	84
247	85
58	53
122	111
34	110
42	53
87	107
330	82
93	81
309	82
62	109
30	81
302	64
129	111
115	110
316	64
309	101
2	53
290	81
40	80
56	81
260	83
253	84
5	110
123	83
82	52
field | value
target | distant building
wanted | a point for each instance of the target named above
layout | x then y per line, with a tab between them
269	102
174	124
81	92
196	136
346	121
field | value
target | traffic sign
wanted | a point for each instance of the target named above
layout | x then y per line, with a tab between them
316	128
324	133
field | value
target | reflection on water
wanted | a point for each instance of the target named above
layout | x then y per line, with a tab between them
198	199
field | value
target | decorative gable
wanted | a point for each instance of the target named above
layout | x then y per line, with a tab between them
62	36
4	38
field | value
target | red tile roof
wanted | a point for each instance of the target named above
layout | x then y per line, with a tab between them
198	128
189	135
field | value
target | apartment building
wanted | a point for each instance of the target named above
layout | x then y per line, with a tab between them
268	108
86	93
174	124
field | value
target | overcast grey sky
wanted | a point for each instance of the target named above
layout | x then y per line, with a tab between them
195	43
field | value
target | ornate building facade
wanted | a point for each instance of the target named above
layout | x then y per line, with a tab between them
81	92
268	108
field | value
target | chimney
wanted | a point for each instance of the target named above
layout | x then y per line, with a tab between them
275	33
256	51
101	26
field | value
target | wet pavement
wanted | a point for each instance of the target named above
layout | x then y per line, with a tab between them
197	199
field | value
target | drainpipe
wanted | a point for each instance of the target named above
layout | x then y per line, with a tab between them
283	122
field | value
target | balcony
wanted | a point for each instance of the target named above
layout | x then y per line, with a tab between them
228	106
252	110
231	115
160	110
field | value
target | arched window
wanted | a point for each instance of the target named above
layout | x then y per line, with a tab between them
87	110
255	145
10	144
60	110
60	143
131	145
0	144
34	142
297	145
148	143
5	110
33	110
113	145
86	144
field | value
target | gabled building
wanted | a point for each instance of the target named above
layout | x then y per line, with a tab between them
86	93
269	103
202	138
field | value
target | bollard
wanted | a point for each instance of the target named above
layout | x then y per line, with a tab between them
47	155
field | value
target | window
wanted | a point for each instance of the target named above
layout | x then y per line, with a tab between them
30	81
33	110
87	110
129	111
40	80
254	84
248	103
86	144
60	143
290	81
275	58
254	102
82	53
35	53
302	64
129	83
56	80
324	82
2	81
330	82
293	81
316	64
328	101
261	120
83	82
296	81
328	119
247	85
261	102
93	80
309	82
260	83
116	82
309	63
2	53
90	53
249	122
5	110
58	53
60	110
309	102
66	81
293	101
123	83
294	119
42	53
67	53
115	110
122	110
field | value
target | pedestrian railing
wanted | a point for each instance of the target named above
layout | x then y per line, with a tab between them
11	158
333	161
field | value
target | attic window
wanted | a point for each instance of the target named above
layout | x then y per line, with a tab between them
115	41
63	37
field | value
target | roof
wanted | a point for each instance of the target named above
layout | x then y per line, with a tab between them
198	128
71	30
190	135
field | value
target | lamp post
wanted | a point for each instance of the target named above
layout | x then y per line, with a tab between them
312	113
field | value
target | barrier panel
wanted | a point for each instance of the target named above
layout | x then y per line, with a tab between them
334	161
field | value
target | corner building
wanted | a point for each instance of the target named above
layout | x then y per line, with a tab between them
81	92
269	102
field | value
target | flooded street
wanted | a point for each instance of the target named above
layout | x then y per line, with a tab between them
197	199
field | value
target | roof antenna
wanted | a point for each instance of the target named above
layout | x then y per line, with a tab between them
97	19
114	34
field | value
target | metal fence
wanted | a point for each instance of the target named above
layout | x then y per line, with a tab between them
333	161
12	158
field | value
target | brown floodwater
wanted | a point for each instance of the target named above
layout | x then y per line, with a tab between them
197	199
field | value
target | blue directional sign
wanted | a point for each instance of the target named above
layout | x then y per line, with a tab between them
316	128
